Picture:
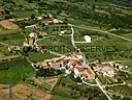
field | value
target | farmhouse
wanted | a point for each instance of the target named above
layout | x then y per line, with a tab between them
50	21
50	63
88	73
105	69
32	26
30	41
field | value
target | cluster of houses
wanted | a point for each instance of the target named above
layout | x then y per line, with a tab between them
45	20
29	44
71	63
105	69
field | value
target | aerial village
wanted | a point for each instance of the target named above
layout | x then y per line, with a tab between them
71	64
100	74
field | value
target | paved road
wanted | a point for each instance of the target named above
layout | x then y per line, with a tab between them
8	57
125	71
117	84
74	44
81	42
98	83
72	37
89	84
101	88
4	44
55	53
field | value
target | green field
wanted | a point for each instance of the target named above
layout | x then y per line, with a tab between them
15	70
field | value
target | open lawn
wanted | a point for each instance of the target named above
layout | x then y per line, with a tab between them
39	56
12	39
14	70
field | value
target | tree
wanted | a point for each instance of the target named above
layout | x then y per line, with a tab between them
33	16
93	7
30	1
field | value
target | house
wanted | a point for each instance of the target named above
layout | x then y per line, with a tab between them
105	69
32	26
76	55
39	17
31	40
47	22
63	32
87	39
76	73
78	68
50	63
88	73
129	83
31	44
108	71
57	21
43	65
50	21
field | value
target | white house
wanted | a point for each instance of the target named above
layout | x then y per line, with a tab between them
87	39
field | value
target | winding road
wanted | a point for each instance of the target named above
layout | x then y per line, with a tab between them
98	83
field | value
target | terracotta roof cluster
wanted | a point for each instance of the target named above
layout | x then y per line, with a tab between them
72	63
